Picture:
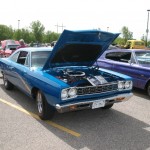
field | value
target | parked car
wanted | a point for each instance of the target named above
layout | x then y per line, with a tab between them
64	79
112	47
8	47
135	63
135	44
53	43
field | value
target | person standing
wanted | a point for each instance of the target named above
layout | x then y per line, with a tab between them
22	44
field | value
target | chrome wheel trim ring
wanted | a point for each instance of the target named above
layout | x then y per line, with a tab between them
39	103
5	82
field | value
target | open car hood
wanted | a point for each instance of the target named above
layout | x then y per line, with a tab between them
79	48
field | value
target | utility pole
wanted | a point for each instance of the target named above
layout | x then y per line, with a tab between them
107	29
62	26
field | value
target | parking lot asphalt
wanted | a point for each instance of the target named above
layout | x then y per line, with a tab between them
124	127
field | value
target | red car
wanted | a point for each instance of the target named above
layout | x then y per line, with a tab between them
8	47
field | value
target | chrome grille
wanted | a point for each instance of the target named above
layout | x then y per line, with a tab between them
97	89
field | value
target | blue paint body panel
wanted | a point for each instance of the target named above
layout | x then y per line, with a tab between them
45	69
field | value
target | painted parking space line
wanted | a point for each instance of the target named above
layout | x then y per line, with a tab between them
37	117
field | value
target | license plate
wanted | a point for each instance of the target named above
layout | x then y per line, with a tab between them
98	104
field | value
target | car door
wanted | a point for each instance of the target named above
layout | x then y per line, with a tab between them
20	69
10	67
126	64
122	62
141	76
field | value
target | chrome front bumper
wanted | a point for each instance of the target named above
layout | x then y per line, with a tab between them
88	104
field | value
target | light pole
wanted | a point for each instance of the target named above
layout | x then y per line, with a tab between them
18	24
107	29
147	28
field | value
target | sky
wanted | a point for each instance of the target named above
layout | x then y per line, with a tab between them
107	15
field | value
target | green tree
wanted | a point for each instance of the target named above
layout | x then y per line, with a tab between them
47	37
6	32
126	34
119	41
25	34
38	30
148	44
54	36
17	34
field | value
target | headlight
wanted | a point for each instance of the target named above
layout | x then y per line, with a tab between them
64	94
124	85
68	93
128	85
120	85
72	92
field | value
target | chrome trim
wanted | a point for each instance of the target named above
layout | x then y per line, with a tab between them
65	108
92	87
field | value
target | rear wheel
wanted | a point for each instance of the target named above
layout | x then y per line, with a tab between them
107	106
8	85
45	111
148	89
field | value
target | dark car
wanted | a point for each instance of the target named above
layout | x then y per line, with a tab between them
135	63
64	79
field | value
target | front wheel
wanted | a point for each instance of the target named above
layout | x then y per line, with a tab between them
8	85
45	111
107	106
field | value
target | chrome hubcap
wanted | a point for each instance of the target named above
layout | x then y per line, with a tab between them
39	103
5	82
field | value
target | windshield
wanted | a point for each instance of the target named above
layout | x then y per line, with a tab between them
143	58
39	58
12	47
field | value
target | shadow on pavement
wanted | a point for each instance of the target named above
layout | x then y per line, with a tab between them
99	129
141	93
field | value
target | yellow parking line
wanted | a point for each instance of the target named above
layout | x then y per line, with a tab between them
48	122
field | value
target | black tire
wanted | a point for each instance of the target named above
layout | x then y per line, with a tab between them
8	85
45	111
107	106
148	89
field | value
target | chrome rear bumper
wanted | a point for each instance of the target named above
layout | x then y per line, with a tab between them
88	104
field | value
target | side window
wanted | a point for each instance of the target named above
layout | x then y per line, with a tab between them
119	56
22	57
27	61
113	56
14	57
133	59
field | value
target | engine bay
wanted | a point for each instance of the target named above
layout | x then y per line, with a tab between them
80	77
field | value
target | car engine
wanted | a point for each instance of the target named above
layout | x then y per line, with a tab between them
87	77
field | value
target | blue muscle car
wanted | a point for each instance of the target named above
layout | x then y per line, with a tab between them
135	63
64	78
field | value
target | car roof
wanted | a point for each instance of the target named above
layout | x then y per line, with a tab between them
33	49
127	50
